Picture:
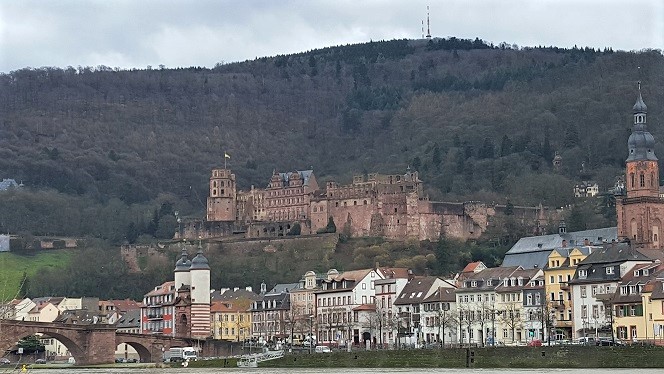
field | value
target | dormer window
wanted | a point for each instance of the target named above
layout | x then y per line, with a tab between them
609	270
623	290
636	273
583	273
645	272
488	282
473	284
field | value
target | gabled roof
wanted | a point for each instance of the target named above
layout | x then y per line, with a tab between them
614	253
281	288
130	319
354	275
125	305
552	241
395	272
533	251
304	174
230	295
416	290
163	289
525	274
442	294
473	266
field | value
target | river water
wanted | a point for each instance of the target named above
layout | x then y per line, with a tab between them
346	370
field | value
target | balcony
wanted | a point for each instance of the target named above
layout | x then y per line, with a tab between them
563	323
558	304
564	286
154	316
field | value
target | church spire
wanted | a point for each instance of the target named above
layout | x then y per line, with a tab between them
641	143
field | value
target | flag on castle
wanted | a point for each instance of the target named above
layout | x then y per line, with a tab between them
226	155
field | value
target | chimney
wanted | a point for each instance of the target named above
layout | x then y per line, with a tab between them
586	242
564	244
248	288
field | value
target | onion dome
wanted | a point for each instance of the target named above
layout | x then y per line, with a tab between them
641	143
183	262
199	262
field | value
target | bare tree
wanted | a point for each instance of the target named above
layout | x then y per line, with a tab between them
511	317
445	319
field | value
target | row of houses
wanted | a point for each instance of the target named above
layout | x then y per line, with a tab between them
579	288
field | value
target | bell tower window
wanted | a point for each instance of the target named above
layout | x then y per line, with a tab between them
631	177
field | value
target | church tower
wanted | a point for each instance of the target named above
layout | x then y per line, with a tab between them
640	211
221	200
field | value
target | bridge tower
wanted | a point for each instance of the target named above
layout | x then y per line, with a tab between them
182	275
200	295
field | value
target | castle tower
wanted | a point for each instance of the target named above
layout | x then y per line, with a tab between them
200	295
641	211
221	200
182	275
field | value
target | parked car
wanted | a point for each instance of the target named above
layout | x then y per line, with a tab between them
609	342
40	361
322	349
4	361
586	340
535	343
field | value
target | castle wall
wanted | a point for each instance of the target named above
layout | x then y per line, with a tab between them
272	229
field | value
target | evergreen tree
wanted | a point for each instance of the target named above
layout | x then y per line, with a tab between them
505	146
331	227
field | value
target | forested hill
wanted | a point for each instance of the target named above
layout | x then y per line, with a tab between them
478	121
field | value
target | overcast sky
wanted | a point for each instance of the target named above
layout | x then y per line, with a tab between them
137	33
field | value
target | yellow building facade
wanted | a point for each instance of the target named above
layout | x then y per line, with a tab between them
561	265
231	320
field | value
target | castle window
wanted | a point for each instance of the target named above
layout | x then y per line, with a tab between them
631	178
642	180
354	202
395	210
652	179
365	202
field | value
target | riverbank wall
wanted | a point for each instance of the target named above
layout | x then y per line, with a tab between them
499	357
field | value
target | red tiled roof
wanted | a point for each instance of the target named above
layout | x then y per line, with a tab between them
164	289
364	307
471	267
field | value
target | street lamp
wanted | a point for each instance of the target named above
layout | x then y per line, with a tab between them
311	331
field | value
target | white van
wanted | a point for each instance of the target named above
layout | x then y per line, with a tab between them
323	349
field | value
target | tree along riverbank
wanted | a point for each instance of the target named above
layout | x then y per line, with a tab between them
572	356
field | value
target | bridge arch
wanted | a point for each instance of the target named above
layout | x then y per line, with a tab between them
75	350
144	353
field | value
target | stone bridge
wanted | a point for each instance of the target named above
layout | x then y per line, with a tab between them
89	344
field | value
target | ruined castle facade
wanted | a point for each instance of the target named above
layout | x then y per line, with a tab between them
390	206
